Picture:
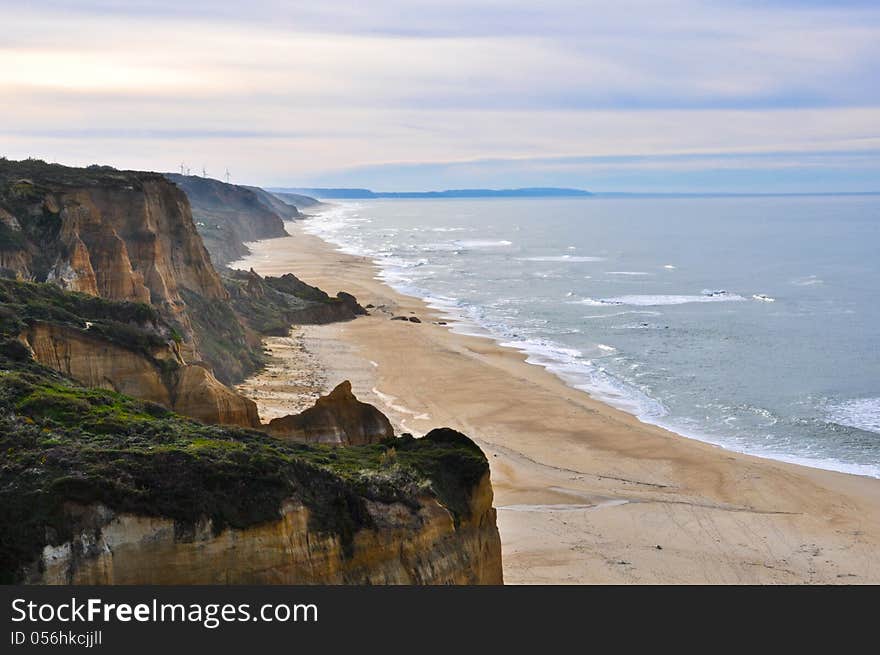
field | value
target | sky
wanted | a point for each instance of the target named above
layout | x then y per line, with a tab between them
631	95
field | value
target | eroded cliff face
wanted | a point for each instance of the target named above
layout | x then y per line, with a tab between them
197	393
159	375
134	240
228	215
122	236
407	545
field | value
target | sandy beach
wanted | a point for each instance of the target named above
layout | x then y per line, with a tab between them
585	493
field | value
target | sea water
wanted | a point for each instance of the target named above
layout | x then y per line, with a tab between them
749	322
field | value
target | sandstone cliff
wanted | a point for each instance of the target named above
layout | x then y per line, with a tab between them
97	488
406	544
160	376
124	347
338	418
120	235
228	216
123	236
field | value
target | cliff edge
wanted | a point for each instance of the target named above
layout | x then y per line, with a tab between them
98	488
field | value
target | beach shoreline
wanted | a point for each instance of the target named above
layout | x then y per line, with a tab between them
586	493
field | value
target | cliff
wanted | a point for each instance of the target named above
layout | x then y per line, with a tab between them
407	544
289	210
124	236
337	418
121	235
271	305
124	347
99	488
228	216
297	199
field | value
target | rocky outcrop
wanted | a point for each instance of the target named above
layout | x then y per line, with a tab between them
271	305
197	393
158	375
406	545
338	418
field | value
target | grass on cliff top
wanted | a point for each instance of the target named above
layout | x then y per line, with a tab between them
135	326
41	173
61	443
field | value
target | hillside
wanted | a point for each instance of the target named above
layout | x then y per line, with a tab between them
227	215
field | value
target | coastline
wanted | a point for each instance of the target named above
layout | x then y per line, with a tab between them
585	492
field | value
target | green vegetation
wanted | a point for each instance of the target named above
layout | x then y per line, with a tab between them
62	443
19	173
135	326
222	339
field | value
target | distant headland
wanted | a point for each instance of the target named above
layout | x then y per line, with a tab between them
346	193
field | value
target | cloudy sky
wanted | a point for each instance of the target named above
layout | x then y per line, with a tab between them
630	95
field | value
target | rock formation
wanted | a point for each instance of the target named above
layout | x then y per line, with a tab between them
271	305
159	376
197	393
124	236
338	418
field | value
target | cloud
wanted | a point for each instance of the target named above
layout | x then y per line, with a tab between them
309	89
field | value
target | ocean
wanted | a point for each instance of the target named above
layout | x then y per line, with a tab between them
752	323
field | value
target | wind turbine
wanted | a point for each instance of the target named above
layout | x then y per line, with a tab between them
227	176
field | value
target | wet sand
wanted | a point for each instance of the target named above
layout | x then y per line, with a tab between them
585	493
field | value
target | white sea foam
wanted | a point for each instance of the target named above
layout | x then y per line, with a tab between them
862	413
643	313
579	373
623	391
808	281
466	244
659	300
636	273
562	258
484	243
